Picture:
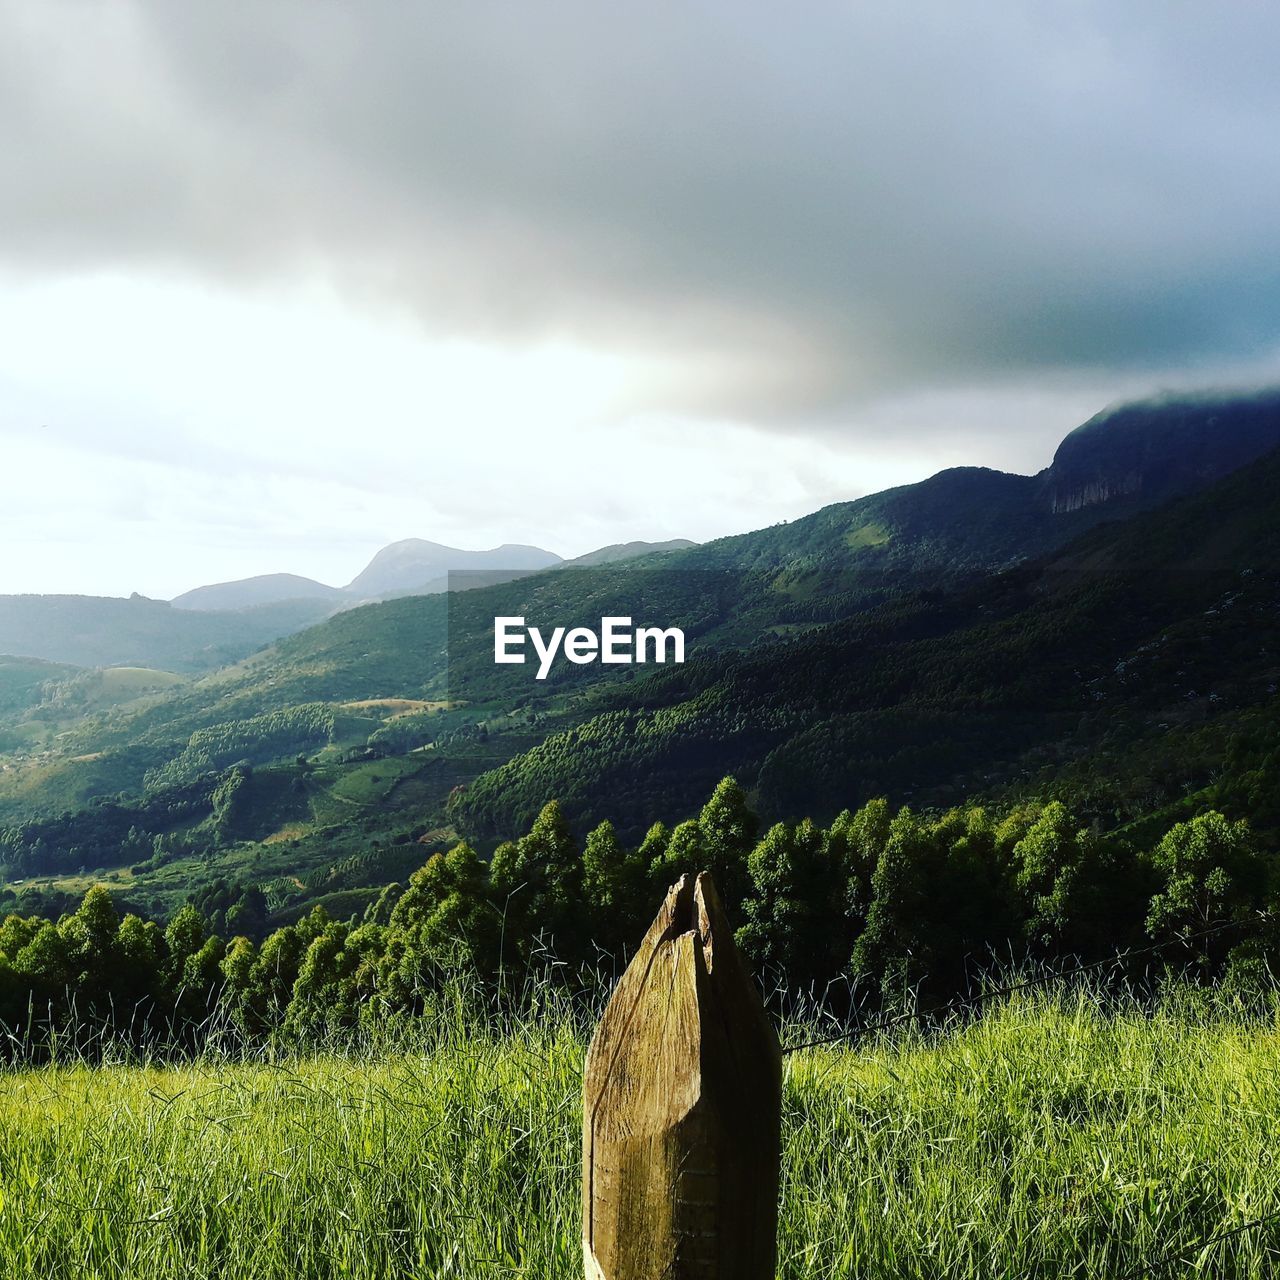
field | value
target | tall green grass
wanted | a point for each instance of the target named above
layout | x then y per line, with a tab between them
1053	1137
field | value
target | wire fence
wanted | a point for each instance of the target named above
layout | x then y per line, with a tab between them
1042	979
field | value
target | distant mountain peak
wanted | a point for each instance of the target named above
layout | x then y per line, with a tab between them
1126	459
410	566
413	564
267	588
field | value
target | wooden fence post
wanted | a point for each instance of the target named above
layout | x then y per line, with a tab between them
682	1102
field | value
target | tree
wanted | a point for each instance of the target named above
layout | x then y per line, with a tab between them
237	975
794	914
682	855
857	841
44	963
654	845
1212	871
729	834
184	936
325	995
192	970
895	947
719	840
445	919
1058	872
202	977
537	881
380	909
90	937
615	888
140	954
248	915
269	986
230	800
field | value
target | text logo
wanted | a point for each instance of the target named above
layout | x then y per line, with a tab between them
616	642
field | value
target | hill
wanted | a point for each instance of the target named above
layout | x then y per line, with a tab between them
98	631
412	567
619	551
22	680
268	588
755	588
1125	460
815	569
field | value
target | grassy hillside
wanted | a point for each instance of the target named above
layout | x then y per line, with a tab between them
734	592
1050	1138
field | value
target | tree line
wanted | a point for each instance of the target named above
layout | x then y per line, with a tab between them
898	904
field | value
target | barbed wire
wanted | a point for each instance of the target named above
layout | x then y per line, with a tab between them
1172	1255
1040	980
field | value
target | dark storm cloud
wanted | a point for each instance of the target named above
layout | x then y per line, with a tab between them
827	201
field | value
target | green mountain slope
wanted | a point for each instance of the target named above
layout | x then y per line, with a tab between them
617	551
1123	461
1144	630
23	679
824	567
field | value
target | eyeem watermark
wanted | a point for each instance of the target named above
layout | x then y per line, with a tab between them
616	642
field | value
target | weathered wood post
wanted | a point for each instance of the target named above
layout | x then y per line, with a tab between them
682	1102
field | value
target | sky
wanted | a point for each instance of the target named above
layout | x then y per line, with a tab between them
283	282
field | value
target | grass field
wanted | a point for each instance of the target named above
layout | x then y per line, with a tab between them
1049	1139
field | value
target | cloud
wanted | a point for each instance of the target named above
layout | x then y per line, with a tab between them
795	212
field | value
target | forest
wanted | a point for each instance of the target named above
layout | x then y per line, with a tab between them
880	909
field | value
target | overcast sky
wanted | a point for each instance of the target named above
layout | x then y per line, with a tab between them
280	283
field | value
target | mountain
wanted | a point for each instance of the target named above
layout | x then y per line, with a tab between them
411	567
1133	673
1141	658
1156	449
735	593
267	588
215	625
1126	460
413	564
619	551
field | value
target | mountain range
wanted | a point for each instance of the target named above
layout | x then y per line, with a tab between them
212	626
1106	625
412	566
1127	459
1124	460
